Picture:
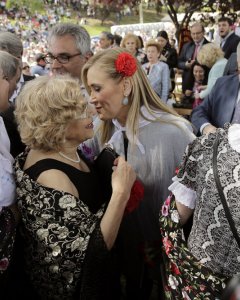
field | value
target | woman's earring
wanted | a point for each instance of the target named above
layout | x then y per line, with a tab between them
125	101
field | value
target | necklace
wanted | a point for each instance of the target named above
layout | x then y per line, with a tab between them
70	159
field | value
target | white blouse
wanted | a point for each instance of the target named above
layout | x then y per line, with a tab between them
7	181
187	196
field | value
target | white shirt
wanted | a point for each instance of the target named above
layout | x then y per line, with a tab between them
7	182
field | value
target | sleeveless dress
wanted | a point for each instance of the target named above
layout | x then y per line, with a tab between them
60	234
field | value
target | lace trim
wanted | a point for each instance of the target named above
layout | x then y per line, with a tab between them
183	194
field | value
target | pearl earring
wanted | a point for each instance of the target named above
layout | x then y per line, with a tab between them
125	101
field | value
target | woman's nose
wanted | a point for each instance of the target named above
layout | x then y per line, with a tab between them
92	97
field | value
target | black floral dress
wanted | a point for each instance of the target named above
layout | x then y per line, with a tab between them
184	277
62	241
7	235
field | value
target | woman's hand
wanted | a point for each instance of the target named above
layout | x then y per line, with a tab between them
202	87
123	177
197	95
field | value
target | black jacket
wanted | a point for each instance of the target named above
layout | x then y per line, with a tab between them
185	55
230	45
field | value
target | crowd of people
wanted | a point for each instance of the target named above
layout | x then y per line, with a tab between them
105	190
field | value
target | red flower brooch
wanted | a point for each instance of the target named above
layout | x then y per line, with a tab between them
126	64
137	193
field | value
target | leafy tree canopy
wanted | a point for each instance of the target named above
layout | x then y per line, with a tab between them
31	5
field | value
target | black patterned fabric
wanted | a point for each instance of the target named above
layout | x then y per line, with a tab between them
211	240
56	230
7	235
184	277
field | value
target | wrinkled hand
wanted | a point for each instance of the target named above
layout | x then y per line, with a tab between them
196	95
209	128
123	177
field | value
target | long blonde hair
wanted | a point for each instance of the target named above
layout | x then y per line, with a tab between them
141	93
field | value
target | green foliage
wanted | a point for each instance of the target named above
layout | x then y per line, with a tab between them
96	29
31	5
104	8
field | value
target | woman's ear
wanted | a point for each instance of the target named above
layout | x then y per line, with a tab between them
127	86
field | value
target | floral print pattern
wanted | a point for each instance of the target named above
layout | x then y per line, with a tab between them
56	229
184	276
7	236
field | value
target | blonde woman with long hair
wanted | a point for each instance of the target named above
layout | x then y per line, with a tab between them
150	135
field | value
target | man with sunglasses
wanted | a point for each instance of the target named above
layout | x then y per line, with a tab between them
69	49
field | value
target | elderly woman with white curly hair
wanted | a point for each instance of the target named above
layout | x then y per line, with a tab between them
211	56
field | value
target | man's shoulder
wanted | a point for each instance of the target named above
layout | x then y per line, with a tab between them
233	38
188	44
226	79
36	67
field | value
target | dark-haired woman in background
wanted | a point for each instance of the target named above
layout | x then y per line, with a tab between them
168	55
197	81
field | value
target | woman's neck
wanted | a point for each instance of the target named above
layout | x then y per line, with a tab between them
153	63
135	52
69	149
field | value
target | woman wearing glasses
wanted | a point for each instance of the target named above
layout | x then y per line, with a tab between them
66	229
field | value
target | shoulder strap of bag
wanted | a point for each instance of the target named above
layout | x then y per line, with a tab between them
221	194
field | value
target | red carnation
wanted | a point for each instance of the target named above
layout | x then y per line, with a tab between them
126	64
175	269
136	196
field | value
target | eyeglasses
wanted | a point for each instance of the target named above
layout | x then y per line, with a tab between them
61	58
26	67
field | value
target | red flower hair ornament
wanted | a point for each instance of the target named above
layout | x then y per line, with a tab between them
125	64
